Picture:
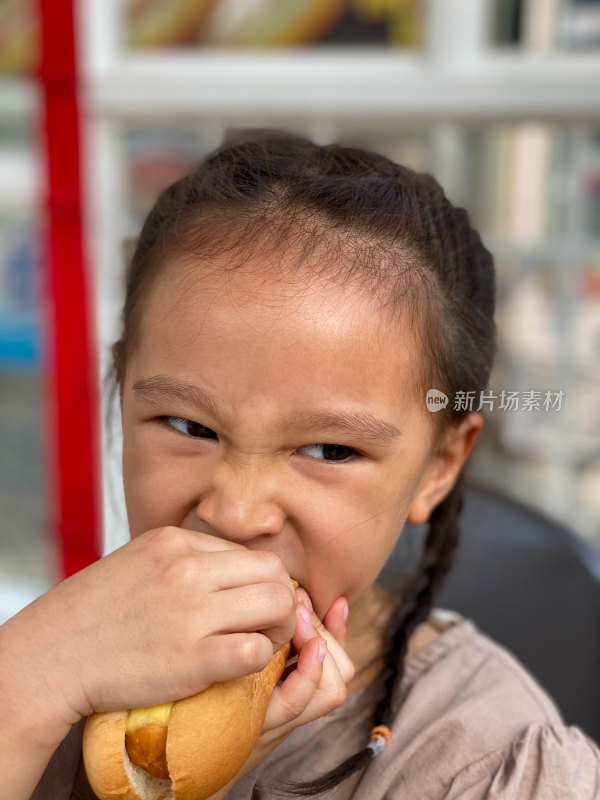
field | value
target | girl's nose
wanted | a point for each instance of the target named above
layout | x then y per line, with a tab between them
240	504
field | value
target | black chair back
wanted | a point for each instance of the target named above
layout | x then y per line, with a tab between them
531	585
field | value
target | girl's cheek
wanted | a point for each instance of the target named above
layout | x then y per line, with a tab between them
151	502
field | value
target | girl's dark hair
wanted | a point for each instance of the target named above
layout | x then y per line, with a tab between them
356	217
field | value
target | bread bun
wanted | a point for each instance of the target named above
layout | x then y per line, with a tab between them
210	737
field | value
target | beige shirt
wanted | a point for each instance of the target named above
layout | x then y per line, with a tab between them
474	726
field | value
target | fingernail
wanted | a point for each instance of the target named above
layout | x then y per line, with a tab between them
322	650
305	614
306	600
346	610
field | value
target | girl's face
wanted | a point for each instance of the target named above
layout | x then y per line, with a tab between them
280	417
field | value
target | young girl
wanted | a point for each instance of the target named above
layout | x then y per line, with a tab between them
288	307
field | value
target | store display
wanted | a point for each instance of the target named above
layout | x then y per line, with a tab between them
271	23
533	340
580	25
531	186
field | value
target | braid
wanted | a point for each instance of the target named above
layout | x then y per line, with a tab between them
438	555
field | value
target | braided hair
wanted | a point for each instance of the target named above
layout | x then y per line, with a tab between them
369	221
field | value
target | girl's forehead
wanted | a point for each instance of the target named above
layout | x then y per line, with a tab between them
204	298
198	288
284	325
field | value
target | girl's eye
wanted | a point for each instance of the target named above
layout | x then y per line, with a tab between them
333	453
189	428
330	453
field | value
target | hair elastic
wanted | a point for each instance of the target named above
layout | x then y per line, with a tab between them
380	736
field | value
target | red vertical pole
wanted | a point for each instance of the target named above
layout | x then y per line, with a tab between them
71	379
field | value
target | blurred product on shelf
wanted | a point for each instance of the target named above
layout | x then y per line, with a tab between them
410	147
155	157
532	342
19	294
538	168
19	36
546	24
579	27
506	22
271	23
156	23
539	24
592	189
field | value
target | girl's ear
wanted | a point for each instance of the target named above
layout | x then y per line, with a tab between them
444	467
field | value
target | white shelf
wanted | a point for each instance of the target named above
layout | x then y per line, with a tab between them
348	83
456	75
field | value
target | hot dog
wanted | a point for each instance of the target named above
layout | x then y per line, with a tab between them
186	750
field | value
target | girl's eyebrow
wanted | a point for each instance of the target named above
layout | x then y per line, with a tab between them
160	387
378	431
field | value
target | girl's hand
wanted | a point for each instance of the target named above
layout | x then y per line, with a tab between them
318	684
315	687
161	618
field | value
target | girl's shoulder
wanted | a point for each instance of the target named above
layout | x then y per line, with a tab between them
464	667
473	680
484	725
493	733
546	762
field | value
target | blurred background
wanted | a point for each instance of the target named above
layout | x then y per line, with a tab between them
498	99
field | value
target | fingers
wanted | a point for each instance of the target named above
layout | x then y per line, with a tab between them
335	620
227	570
232	590
318	684
292	697
308	627
218	562
228	657
201	542
265	607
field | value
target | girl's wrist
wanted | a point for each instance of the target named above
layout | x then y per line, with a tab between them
31	729
33	709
